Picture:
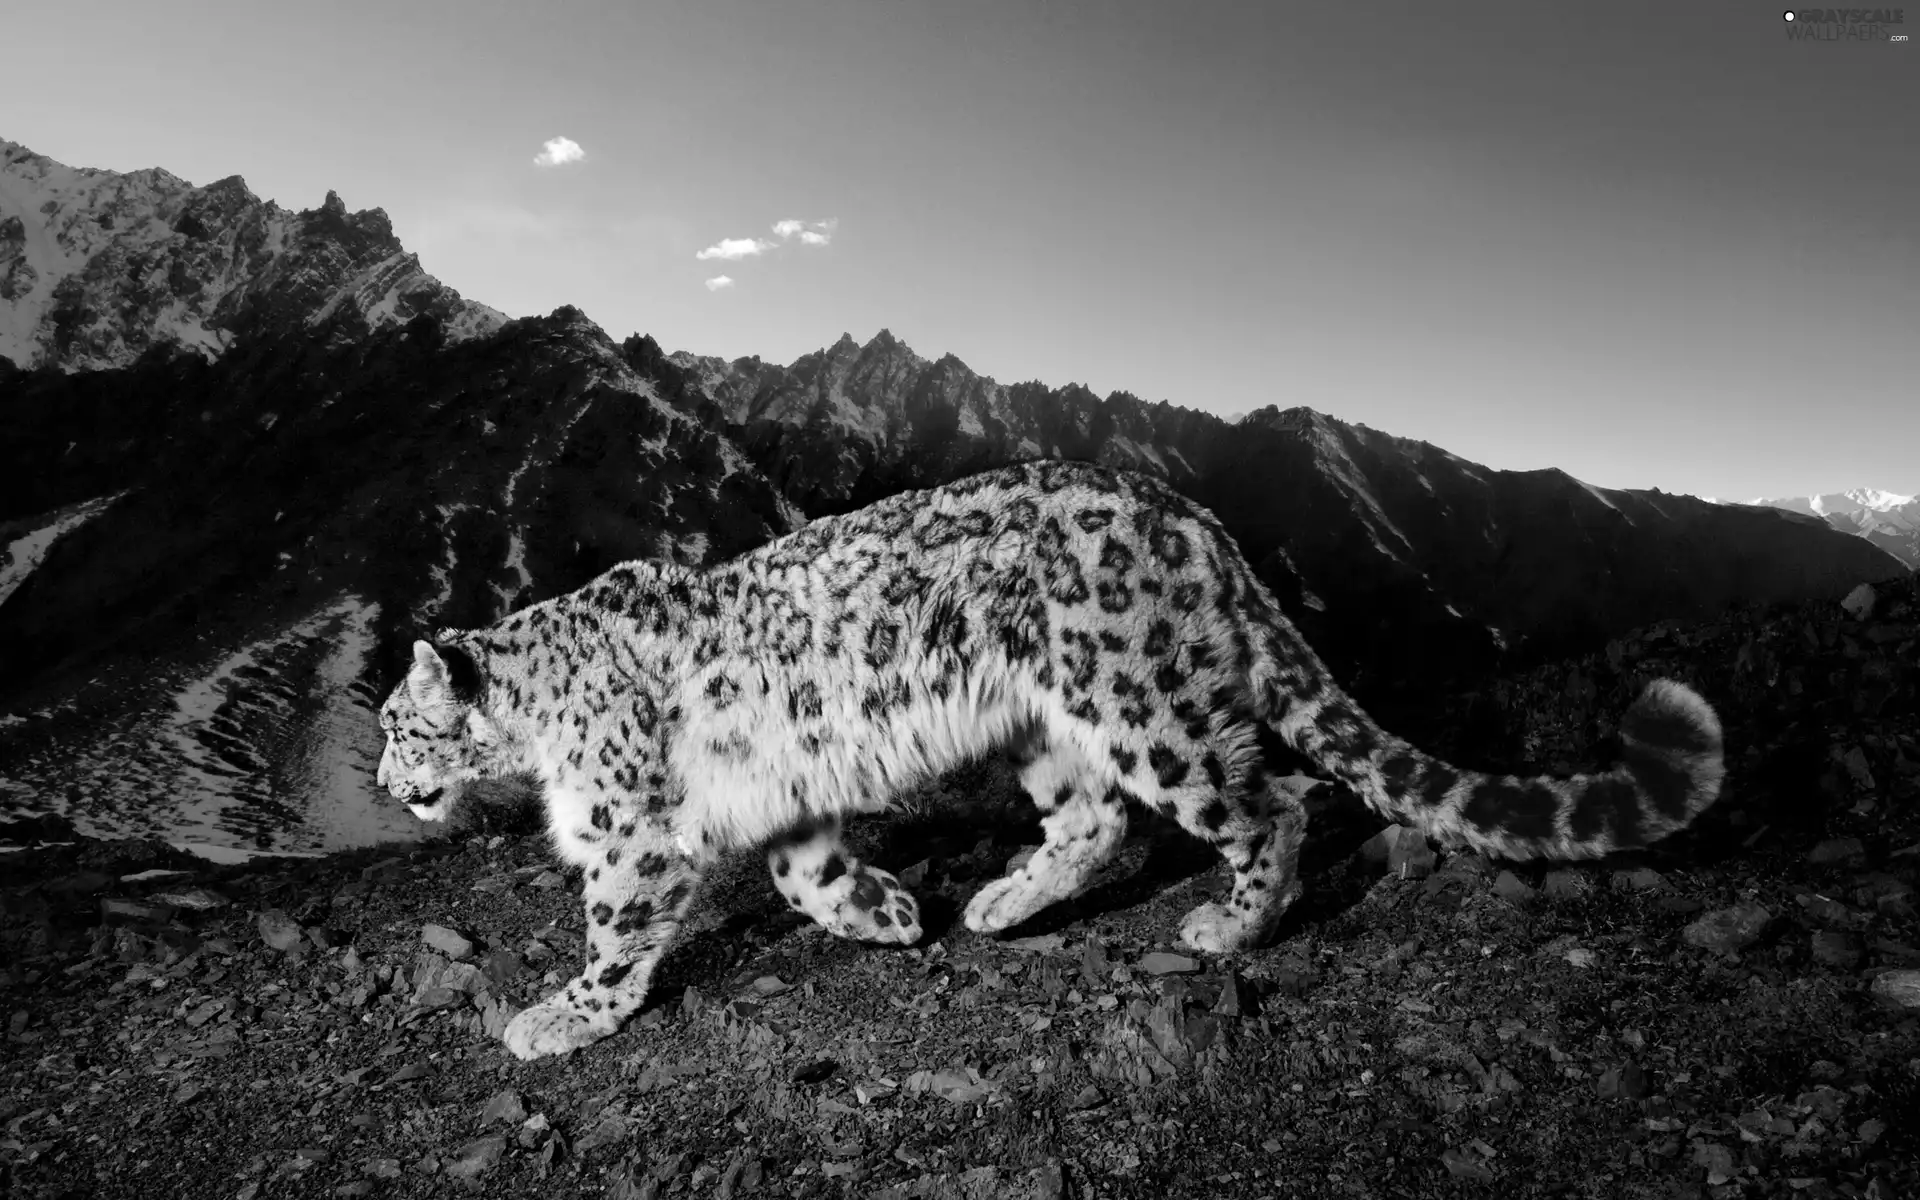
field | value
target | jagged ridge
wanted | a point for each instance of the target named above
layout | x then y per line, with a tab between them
98	267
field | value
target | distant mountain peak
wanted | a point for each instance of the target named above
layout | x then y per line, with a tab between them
1887	519
1847	501
1876	499
98	266
1297	419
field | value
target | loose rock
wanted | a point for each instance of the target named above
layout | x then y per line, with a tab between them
1859	602
611	1131
464	978
476	1157
505	1106
1855	762
446	941
1898	988
1836	949
534	1130
196	899
280	931
1728	929
1512	888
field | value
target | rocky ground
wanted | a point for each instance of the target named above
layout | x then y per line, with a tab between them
1735	1013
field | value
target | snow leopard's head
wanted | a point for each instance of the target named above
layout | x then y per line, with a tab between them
437	737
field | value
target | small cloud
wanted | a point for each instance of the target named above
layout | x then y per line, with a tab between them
735	248
559	151
718	282
813	233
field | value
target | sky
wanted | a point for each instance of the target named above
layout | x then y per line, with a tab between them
1651	244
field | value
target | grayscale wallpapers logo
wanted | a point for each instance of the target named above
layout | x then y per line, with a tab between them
1845	24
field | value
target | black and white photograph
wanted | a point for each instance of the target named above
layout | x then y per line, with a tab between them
959	600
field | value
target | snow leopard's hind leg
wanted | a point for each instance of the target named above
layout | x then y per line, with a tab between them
1084	830
820	878
1257	827
635	899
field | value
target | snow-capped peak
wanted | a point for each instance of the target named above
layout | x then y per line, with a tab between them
1875	499
1887	519
98	266
1849	501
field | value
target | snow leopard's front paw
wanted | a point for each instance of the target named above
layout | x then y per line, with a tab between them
1222	929
1214	929
875	907
551	1028
1004	903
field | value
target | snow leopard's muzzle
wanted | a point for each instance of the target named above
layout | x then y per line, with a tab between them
429	804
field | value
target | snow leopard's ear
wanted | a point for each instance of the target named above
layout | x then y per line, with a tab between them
427	681
442	674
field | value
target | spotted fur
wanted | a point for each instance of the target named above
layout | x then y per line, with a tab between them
1096	623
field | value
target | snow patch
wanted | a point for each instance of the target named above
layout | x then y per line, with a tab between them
270	745
230	855
23	554
688	550
46	262
516	562
443	572
1821	504
214	758
334	759
1597	494
513	481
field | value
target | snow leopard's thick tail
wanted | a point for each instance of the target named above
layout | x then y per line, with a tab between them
1670	769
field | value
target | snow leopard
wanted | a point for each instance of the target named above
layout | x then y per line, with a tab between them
1091	622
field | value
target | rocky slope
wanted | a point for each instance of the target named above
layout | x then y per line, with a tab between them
1889	521
97	267
1730	1014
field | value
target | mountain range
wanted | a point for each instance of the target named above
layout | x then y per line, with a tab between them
221	526
98	267
1888	521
